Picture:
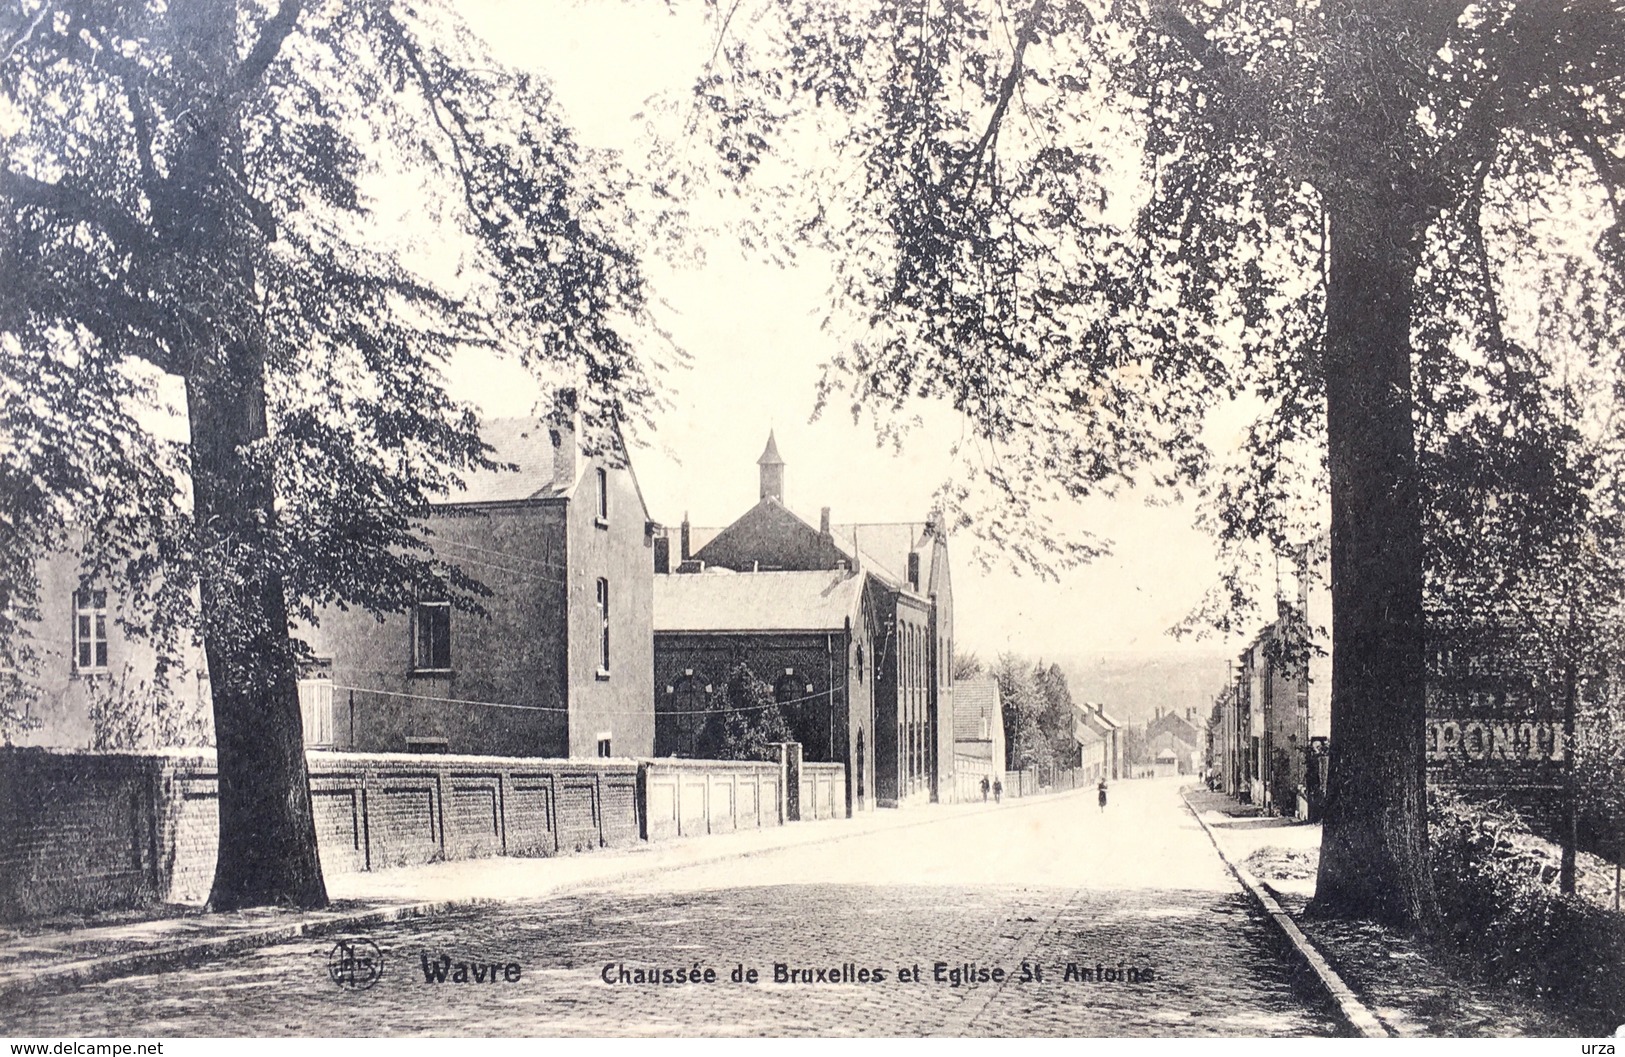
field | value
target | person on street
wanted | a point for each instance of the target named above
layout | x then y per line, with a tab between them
1102	788
998	790
984	788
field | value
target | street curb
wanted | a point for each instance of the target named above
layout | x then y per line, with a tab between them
68	976
1354	1012
71	975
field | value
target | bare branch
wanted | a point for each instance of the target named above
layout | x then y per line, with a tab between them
28	31
77	203
1007	89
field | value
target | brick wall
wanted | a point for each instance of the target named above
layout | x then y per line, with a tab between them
77	829
84	831
88	831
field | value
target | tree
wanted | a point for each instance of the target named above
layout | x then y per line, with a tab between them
202	192
1037	714
1525	562
745	722
967	666
1055	714
1085	227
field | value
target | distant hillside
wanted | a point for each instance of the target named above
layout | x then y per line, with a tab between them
1133	685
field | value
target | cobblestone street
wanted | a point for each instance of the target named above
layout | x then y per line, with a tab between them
1160	939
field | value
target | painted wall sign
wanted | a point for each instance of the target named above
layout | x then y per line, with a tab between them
1462	741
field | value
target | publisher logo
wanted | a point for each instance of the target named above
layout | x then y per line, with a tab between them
355	964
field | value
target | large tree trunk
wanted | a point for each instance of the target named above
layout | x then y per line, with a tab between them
267	846
267	843
1374	851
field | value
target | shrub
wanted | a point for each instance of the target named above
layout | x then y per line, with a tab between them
1502	911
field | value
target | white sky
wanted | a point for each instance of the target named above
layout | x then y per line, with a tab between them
752	332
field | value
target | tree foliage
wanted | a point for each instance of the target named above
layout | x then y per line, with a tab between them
744	722
1118	237
1037	714
238	198
967	666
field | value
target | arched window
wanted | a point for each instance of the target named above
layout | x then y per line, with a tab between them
689	704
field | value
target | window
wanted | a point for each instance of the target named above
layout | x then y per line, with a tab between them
426	746
603	626
603	496
90	630
603	746
432	637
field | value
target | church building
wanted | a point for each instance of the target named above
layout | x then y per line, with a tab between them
852	624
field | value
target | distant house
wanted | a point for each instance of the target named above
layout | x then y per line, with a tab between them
978	735
1169	732
1270	728
560	664
1100	742
897	722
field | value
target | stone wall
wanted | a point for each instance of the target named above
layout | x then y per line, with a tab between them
823	791
687	798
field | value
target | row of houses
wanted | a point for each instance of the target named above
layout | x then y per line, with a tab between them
1494	722
602	635
1268	734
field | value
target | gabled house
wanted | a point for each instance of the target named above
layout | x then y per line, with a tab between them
979	752
559	664
904	637
1100	742
1170	735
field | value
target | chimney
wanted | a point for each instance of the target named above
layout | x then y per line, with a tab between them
562	430
771	469
914	570
683	541
662	554
823	521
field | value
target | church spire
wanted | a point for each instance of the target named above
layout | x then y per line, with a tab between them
771	467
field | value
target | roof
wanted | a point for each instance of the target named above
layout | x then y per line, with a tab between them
1089	718
524	442
976	700
1173	723
721	600
527	443
883	548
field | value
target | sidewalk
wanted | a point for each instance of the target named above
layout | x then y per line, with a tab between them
55	959
1411	989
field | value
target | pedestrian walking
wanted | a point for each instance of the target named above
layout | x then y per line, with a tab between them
984	788
1102	788
998	790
